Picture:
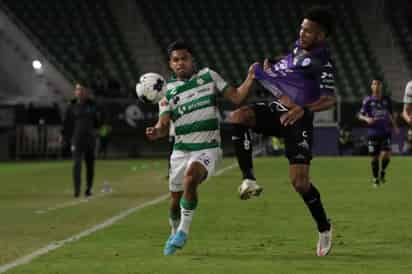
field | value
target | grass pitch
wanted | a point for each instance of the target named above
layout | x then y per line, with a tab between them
271	234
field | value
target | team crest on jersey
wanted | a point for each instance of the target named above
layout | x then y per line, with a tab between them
306	62
200	81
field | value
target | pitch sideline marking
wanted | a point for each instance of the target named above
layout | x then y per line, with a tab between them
55	245
70	203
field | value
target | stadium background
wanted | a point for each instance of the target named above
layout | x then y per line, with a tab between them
107	44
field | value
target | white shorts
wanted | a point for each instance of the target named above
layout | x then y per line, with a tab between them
181	160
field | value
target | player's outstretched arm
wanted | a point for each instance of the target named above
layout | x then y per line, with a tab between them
161	129
323	103
237	95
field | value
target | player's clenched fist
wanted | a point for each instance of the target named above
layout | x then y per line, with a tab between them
152	133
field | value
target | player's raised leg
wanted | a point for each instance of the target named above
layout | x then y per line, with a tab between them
242	120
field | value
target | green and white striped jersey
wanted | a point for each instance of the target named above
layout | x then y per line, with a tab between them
192	108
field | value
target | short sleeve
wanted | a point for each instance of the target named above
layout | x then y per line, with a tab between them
220	83
407	99
364	107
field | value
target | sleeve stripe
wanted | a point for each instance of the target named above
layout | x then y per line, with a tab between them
225	88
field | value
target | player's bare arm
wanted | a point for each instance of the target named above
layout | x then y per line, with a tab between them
161	129
323	103
294	113
407	113
366	119
237	95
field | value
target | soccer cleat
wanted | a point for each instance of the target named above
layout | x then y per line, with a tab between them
179	239
249	188
382	177
375	182
169	249
324	244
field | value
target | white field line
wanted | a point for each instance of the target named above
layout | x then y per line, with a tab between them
71	203
55	245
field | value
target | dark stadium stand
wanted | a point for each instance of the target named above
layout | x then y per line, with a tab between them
82	39
399	16
229	35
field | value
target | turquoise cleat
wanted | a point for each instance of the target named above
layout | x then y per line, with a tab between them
179	240
169	248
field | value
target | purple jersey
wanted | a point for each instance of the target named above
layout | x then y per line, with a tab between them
380	110
302	76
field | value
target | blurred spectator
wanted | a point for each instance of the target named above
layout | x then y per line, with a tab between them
345	140
277	146
104	138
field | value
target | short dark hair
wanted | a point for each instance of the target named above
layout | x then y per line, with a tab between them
323	16
378	78
178	44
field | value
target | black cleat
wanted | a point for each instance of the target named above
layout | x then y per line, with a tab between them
375	182
382	178
88	193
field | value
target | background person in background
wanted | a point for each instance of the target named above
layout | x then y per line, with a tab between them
80	124
104	139
407	116
376	111
345	140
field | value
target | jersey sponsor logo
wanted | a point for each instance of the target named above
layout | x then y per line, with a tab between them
326	75
186	108
203	90
190	95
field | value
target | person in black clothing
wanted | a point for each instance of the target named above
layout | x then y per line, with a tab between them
345	140
80	124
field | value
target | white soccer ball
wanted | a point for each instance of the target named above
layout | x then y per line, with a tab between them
151	87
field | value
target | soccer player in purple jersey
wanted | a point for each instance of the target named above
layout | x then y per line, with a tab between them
302	83
376	112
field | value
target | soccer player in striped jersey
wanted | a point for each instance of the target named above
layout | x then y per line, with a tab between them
190	103
302	83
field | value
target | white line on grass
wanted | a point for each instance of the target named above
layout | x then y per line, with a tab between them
55	245
70	203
